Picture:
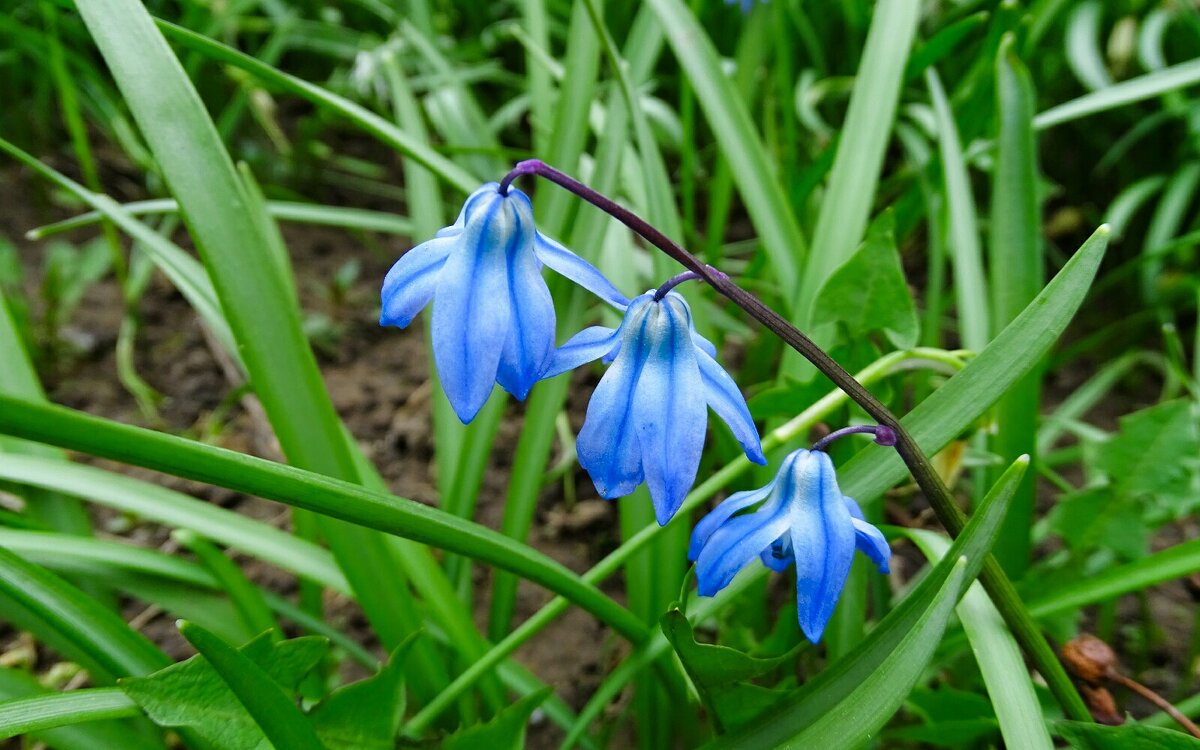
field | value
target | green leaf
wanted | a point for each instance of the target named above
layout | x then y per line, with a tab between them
1126	92
1128	737
1154	451
504	732
372	123
871	682
1096	517
46	710
861	148
869	293
1001	663
723	674
72	622
192	694
953	718
365	715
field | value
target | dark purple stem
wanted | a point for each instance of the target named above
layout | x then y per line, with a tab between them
676	280
927	478
884	435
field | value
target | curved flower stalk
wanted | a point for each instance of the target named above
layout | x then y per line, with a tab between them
647	419
802	519
493	319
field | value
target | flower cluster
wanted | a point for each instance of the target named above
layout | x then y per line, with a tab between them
493	322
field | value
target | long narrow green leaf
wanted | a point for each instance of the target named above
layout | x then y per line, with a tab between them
863	141
71	621
740	143
19	379
1126	92
301	213
963	231
1174	562
272	709
35	713
359	115
66	428
182	269
80	722
1016	275
177	510
1000	660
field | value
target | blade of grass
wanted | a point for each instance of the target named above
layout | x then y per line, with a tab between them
182	269
57	425
865	134
301	213
247	599
963	231
1016	275
1000	661
70	621
19	379
36	713
1136	89
359	115
175	509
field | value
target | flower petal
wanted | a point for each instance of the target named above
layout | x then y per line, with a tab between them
736	543
871	542
722	513
608	445
822	536
704	345
471	310
585	346
410	283
568	264
530	339
726	400
671	420
868	539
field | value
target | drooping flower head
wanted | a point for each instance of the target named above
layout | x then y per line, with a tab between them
648	416
493	319
801	519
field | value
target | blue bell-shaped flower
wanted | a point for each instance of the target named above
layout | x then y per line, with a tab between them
802	519
493	319
648	416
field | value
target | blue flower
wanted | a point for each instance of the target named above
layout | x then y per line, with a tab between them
649	414
493	319
803	520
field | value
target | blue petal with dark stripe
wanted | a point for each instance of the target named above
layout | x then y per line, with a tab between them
566	263
411	282
471	307
671	421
